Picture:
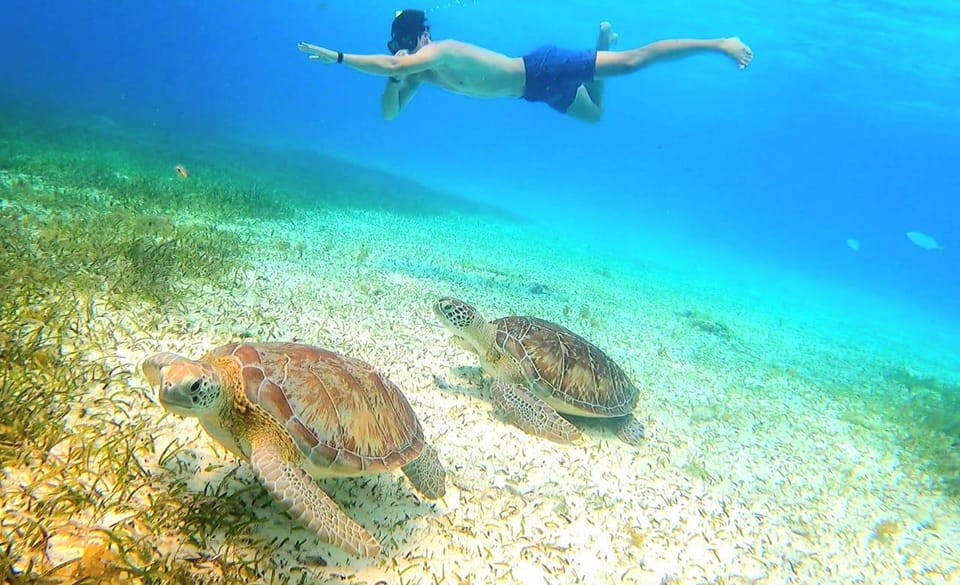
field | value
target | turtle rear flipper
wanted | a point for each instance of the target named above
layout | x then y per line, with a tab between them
531	414
427	474
293	487
631	431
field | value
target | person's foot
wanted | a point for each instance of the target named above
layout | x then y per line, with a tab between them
607	37
737	50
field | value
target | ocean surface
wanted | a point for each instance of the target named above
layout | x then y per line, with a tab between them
771	201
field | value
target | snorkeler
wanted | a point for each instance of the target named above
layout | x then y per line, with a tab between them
569	81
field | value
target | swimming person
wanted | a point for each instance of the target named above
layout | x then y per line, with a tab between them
569	81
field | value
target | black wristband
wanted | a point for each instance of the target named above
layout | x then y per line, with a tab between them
339	57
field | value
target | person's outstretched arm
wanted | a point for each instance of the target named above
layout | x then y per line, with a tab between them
381	65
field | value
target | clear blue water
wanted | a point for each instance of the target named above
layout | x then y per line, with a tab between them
845	126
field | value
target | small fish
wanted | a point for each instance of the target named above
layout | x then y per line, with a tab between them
853	244
182	173
924	241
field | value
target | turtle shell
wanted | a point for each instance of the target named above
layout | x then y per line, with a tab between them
341	413
571	373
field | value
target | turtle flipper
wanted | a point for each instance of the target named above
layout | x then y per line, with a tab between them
631	431
304	500
463	344
427	473
532	414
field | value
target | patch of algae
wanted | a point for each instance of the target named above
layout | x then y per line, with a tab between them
91	255
921	412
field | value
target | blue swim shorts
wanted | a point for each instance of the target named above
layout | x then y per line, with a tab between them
554	74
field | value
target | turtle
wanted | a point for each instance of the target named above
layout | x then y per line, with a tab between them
541	370
297	413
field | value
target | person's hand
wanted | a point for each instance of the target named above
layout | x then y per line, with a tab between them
318	53
400	53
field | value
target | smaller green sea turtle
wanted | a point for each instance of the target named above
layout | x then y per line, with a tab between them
298	412
542	370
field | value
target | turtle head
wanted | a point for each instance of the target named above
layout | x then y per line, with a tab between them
462	320
456	315
186	387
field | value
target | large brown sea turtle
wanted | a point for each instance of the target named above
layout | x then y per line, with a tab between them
542	370
299	412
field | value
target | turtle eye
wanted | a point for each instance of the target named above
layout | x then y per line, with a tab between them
195	387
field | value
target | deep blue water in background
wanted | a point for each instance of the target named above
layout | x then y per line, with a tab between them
846	125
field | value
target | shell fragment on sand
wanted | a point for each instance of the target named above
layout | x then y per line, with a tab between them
924	241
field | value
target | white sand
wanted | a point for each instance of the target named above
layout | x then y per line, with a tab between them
751	472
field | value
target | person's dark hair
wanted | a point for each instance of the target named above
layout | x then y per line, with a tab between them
406	30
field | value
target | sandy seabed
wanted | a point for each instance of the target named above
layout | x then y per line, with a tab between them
753	471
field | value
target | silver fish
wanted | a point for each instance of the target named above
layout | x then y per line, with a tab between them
924	241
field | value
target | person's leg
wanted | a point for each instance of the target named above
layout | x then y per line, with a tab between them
583	108
588	105
595	88
611	63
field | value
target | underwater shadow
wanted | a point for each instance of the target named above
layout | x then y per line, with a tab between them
312	178
234	511
476	387
469	382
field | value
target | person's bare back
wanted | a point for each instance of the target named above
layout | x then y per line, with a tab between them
474	71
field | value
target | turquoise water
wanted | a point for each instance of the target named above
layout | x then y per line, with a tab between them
843	127
699	233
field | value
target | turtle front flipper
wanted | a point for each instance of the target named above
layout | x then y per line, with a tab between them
304	500
631	431
427	473
531	414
